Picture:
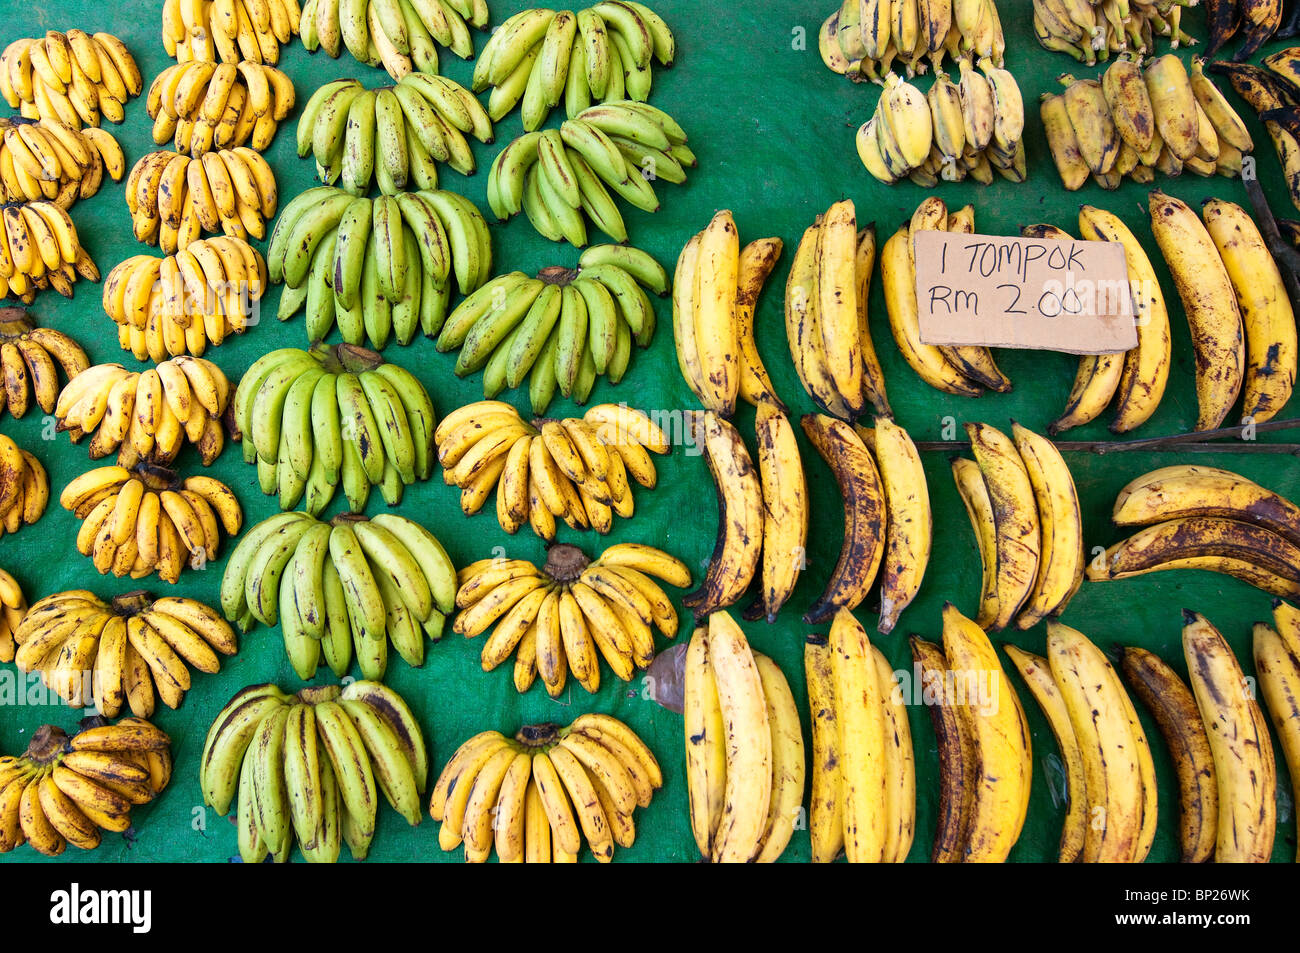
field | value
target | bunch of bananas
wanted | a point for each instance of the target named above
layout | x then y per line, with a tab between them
971	127
561	329
28	357
1090	30
47	159
177	305
377	266
1238	310
864	771
1135	122
1024	509
537	796
985	758
1109	771
39	249
397	133
575	469
13	606
202	106
1254	21
89	651
173	198
311	766
1277	666
228	31
559	176
24	487
570	612
1273	94
313	419
63	790
600	54
744	748
330	584
398	35
1205	518
863	38
72	77
826	320
145	519
148	414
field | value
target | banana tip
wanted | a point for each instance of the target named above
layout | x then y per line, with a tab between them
1188	617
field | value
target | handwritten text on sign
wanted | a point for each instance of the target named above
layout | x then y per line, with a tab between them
1071	296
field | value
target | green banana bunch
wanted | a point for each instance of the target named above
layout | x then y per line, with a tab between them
399	35
311	766
1092	31
377	267
561	177
313	419
598	55
560	330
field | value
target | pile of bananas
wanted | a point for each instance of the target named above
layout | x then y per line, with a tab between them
561	329
559	176
985	759
39	249
1206	518
1273	94
1254	21
47	159
1238	309
202	106
863	38
397	133
311	766
13	606
89	651
24	487
178	305
571	612
28	357
864	771
1090	30
1137	121
600	54
330	584
63	790
1277	666
377	266
1024	509
228	31
398	35
575	469
313	419
537	796
72	77
744	748
971	127
173	198
148	414
145	519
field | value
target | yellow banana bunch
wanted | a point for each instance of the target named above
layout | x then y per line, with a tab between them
864	770
48	159
399	35
228	31
1277	665
30	358
537	796
204	106
67	789
117	655
24	487
311	766
145	519
868	39
174	199
178	305
576	469
13	606
74	77
39	249
1091	31
744	747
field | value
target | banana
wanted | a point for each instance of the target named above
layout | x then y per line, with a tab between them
1061	558
910	524
1275	652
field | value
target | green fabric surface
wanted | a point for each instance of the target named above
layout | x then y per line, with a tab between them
774	132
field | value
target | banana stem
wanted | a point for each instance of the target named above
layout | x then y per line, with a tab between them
46	744
538	736
565	563
1287	257
315	694
129	603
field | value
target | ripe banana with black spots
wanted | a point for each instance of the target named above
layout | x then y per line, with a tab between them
73	77
13	606
41	250
24	487
1277	666
202	107
30	360
47	159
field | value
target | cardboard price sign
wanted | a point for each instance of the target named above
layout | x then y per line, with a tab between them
1028	293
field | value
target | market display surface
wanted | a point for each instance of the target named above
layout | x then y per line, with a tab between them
416	510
